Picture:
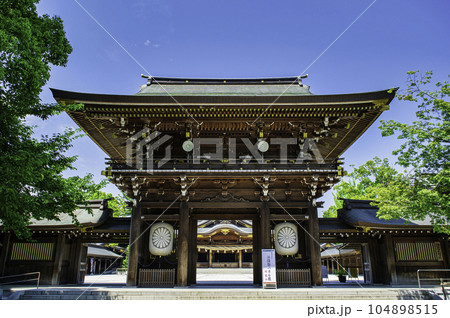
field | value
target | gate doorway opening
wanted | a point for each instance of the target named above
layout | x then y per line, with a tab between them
102	264
225	252
346	263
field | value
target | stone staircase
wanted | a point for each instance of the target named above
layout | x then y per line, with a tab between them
226	294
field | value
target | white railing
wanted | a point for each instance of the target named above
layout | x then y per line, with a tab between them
37	279
431	270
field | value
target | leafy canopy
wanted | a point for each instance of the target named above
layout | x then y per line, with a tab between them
422	190
364	183
31	181
118	204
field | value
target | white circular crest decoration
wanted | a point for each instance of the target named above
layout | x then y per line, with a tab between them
161	239
262	145
188	146
286	239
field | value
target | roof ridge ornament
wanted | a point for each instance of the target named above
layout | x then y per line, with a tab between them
299	79
149	79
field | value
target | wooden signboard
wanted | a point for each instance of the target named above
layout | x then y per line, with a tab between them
269	268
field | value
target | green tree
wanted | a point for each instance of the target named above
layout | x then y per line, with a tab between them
422	190
31	181
364	183
117	203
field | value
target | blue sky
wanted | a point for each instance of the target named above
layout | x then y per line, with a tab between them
250	39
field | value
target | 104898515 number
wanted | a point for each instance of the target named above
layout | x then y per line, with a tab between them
424	309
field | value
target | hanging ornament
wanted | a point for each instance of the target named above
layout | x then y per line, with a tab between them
161	239
286	239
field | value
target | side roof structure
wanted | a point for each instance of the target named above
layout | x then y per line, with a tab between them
362	214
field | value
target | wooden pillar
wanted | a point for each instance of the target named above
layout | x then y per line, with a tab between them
83	264
4	253
193	253
265	226
57	264
133	249
444	244
257	266
183	245
76	249
210	258
390	258
144	250
240	258
313	227
376	266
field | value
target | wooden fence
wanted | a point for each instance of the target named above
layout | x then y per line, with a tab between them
293	277
156	278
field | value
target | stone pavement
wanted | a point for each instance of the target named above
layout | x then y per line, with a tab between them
218	293
223	284
209	276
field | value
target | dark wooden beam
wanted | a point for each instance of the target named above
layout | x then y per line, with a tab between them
4	252
390	258
144	250
225	216
345	240
206	173
257	266
297	204
120	240
193	254
183	245
287	217
73	270
163	205
57	264
445	252
228	205
313	228
164	217
133	256
376	255
265	226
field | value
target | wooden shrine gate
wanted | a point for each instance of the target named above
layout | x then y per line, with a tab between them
263	149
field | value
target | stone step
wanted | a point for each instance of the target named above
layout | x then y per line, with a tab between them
227	294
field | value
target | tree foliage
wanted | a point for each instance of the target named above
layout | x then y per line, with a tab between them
117	203
425	153
364	183
422	190
31	181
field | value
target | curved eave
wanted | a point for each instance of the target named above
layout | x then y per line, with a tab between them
92	216
228	227
133	100
358	110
